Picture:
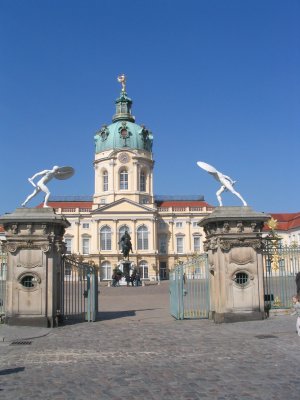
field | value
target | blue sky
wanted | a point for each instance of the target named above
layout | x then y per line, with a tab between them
216	81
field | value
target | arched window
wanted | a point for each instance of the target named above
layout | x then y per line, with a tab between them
105	271
143	269
122	230
105	238
105	181
142	238
143	181
123	179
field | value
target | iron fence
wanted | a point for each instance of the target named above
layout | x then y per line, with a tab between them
79	290
281	265
189	289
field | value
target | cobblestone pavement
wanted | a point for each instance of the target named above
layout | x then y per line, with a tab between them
137	351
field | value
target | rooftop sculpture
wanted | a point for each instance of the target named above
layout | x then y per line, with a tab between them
60	173
122	80
226	181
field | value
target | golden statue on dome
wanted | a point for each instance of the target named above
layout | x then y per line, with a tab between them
122	80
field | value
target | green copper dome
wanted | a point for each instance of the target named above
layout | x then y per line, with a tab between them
123	132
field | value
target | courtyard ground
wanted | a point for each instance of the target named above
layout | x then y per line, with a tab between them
138	351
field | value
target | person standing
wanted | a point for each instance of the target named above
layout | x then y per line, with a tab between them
296	308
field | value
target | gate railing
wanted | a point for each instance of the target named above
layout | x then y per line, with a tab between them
281	265
79	290
189	289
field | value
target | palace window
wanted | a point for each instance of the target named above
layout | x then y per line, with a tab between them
162	244
197	244
143	269
85	225
142	181
179	244
105	238
85	245
179	224
68	242
142	238
105	271
105	181
123	179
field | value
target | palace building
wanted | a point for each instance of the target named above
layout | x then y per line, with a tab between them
164	231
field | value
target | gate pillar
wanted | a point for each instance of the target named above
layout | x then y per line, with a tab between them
234	246
34	246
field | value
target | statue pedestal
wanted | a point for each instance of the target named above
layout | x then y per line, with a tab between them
234	243
34	246
125	267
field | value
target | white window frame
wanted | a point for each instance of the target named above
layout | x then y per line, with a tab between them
142	238
69	245
105	238
197	246
142	181
123	179
85	245
180	244
105	271
144	269
105	180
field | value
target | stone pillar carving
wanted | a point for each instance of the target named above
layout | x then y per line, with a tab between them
35	246
234	245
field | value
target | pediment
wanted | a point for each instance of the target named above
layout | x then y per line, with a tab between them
124	206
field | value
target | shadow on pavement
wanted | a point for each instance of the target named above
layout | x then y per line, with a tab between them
108	315
9	371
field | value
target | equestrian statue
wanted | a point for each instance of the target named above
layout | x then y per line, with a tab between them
125	242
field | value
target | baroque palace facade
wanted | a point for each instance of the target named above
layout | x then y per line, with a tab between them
164	231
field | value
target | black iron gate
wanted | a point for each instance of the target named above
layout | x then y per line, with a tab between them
79	290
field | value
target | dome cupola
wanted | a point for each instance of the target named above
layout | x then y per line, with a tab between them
123	132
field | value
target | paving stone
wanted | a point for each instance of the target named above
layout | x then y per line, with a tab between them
137	351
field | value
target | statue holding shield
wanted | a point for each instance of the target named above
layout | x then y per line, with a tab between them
56	172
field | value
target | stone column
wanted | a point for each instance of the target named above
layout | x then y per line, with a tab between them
34	274
234	246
